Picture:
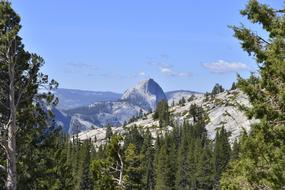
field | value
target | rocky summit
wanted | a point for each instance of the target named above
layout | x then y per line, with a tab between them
223	110
137	100
146	95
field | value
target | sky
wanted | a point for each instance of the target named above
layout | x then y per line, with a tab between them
110	45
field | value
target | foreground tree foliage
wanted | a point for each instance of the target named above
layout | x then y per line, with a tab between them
183	158
261	162
34	153
22	107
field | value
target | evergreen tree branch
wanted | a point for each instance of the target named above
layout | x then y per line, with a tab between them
3	168
3	145
266	42
4	105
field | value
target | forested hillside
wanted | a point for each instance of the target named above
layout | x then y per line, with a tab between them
36	154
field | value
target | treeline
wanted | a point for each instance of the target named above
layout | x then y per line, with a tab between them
183	158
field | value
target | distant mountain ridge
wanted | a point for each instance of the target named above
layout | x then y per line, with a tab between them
140	99
223	110
71	98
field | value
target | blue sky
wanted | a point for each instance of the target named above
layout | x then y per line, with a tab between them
110	45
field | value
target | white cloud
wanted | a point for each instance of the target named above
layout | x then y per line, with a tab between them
142	74
222	67
184	74
168	70
165	70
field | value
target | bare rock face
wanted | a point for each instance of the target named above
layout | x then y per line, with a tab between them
175	96
224	110
146	94
138	100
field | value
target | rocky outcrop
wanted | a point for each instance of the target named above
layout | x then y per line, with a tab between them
224	110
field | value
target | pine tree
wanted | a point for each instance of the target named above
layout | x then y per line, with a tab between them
147	163
161	169
133	136
133	169
19	82
61	177
86	182
108	172
162	113
183	164
109	132
182	101
101	175
234	86
217	89
235	150
166	167
191	98
222	154
196	112
204	174
77	160
261	162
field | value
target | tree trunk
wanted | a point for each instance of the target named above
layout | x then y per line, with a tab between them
11	183
120	182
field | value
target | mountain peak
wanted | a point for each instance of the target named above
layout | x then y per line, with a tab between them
146	94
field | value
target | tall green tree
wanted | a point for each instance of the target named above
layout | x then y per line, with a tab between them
161	169
147	163
166	167
108	172
133	169
217	89
86	181
162	113
183	163
205	170
109	132
133	136
21	104
59	174
261	163
197	113
222	154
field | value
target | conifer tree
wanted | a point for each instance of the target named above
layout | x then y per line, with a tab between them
61	175
204	174
161	169
162	113
235	150
109	132
108	172
133	136
217	89
222	154
183	165
147	163
261	162
196	112
166	167
20	102
234	86
133	170
86	182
